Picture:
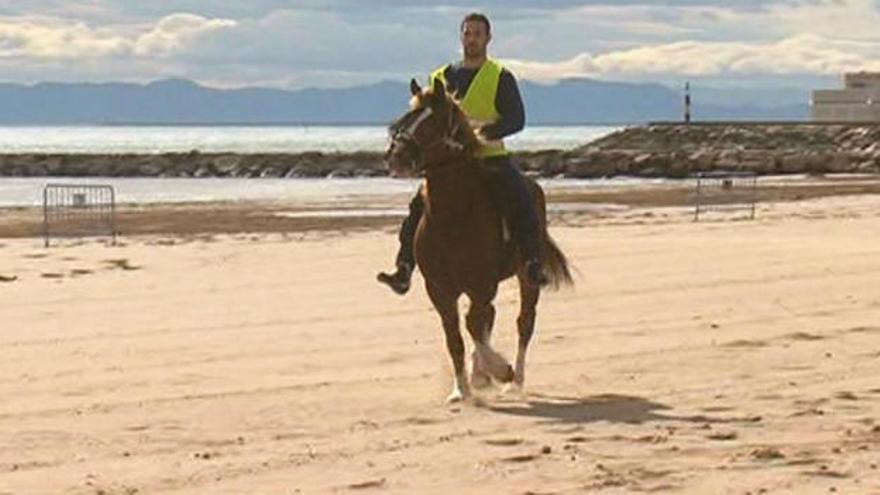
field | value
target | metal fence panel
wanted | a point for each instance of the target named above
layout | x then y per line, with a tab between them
725	191
74	210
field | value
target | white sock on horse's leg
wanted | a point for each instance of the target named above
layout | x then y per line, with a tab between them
519	372
460	389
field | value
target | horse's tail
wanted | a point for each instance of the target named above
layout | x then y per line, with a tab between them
556	265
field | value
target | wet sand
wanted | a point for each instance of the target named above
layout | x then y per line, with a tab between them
568	205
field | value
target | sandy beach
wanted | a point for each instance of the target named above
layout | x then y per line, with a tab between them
726	356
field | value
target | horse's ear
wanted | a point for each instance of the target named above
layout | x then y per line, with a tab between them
414	87
439	87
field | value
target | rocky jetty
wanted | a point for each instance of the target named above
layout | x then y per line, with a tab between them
661	150
672	150
194	164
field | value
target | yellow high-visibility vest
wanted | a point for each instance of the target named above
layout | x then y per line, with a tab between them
479	102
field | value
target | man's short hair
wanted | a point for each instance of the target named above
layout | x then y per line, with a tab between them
478	17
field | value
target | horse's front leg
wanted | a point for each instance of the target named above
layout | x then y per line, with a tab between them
480	377
447	306
480	319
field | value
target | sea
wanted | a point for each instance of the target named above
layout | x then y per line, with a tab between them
250	139
241	139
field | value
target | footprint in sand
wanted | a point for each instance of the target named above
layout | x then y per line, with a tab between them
52	275
577	439
205	456
503	442
813	411
121	263
724	435
655	438
8	278
745	343
419	421
803	336
522	458
516	459
846	395
367	484
717	409
863	329
825	472
80	271
803	461
767	454
35	256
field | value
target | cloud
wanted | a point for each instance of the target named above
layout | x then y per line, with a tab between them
175	32
42	39
779	39
52	39
834	19
346	42
804	54
239	9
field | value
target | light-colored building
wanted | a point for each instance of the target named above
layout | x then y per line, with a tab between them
859	101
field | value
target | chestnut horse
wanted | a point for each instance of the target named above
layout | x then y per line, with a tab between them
460	245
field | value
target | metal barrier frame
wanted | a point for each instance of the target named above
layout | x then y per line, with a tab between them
728	180
70	202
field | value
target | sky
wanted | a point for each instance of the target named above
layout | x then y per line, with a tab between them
340	43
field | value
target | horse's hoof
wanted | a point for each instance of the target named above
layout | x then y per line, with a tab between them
507	376
456	396
480	381
513	388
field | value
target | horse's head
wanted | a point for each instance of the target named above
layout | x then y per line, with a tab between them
433	133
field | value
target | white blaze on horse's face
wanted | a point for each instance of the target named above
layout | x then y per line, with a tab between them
405	146
414	127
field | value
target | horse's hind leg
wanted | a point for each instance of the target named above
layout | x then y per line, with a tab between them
526	325
447	307
480	318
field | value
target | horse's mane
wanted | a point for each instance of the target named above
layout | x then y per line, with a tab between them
464	134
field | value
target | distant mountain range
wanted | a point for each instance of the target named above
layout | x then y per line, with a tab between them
180	101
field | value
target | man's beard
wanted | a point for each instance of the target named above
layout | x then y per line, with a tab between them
473	52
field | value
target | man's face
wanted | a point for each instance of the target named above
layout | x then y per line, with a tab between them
474	39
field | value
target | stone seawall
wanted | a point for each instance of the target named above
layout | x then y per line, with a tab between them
676	150
194	164
660	150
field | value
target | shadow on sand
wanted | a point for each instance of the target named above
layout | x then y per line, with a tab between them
612	408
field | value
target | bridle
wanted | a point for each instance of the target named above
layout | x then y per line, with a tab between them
418	150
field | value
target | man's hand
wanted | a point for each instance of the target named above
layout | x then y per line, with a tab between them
480	133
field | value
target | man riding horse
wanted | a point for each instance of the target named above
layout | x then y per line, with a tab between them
489	96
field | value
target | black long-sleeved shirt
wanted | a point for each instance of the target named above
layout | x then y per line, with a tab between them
508	101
